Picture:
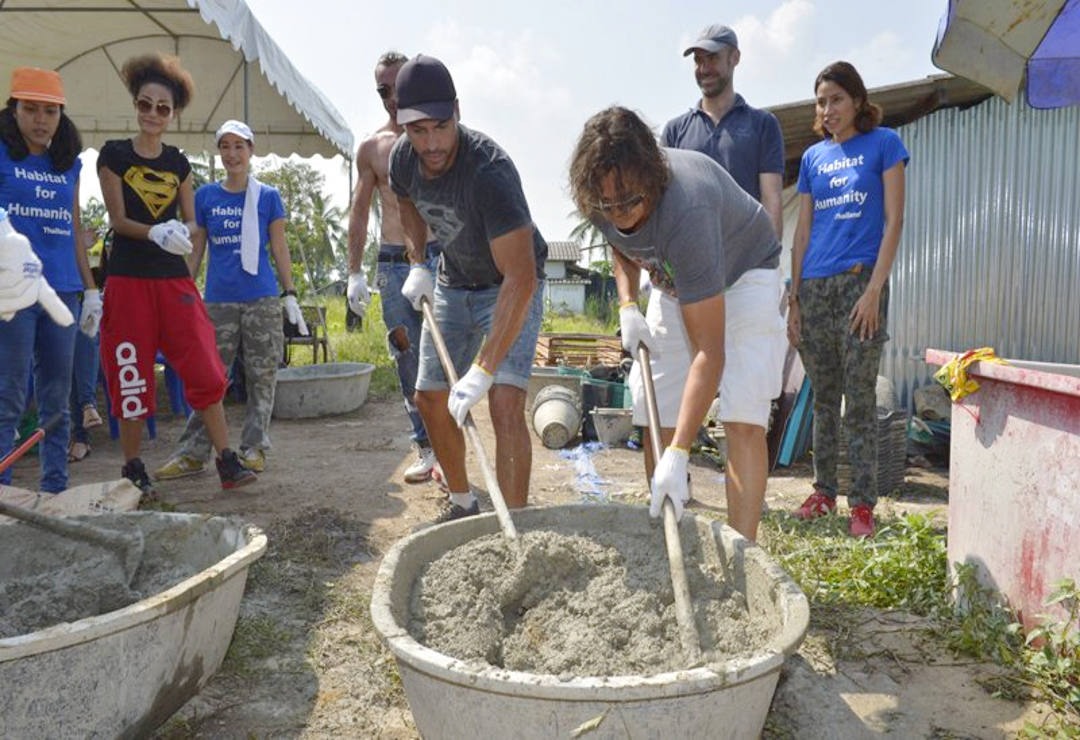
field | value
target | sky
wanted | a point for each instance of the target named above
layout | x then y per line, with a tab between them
529	74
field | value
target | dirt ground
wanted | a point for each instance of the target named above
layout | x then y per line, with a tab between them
305	660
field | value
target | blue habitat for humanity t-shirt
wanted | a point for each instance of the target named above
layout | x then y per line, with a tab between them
845	184
39	202
220	213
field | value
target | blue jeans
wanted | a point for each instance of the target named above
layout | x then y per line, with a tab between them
33	342
84	381
465	318
398	312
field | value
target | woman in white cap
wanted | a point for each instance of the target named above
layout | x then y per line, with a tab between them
39	190
241	224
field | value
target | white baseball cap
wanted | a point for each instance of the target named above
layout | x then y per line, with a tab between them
238	128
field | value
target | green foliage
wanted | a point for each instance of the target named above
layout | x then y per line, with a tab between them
1051	659
902	567
314	231
94	216
975	623
576	324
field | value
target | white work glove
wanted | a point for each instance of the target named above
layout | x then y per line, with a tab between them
293	314
90	319
357	293
469	389
669	479
634	330
172	236
419	284
21	282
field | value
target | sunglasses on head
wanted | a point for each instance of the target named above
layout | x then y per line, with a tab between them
145	106
384	91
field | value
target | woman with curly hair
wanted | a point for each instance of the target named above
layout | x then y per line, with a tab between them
39	189
851	210
152	302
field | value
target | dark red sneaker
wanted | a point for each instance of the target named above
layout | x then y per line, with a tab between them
817	504
862	521
232	472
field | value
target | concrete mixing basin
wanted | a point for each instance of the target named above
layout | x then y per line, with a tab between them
123	673
450	698
321	390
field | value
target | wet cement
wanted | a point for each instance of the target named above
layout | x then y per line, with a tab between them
47	579
588	604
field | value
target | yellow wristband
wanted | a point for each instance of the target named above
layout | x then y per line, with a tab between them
483	369
627	303
683	450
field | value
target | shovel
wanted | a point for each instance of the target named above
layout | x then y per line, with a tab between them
127	546
684	611
501	512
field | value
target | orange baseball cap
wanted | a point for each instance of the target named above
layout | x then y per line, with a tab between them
42	85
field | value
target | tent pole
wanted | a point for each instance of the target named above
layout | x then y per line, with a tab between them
246	92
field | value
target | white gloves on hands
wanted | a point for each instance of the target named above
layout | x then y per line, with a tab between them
92	308
669	479
357	294
21	281
634	330
172	236
469	389
418	285
293	314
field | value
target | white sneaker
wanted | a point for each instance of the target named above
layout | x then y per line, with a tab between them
420	470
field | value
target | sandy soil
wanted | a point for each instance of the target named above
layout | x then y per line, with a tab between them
306	662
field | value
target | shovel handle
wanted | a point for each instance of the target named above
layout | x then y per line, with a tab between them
684	610
490	479
30	441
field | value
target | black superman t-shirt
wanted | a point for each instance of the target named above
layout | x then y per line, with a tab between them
151	196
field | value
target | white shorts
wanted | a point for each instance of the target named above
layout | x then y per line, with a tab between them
755	342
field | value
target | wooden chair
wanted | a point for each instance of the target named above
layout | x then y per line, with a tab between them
315	318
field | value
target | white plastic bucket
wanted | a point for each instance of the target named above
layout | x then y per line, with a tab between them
556	416
613	426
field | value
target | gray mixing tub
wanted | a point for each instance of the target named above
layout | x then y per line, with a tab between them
452	699
321	390
123	673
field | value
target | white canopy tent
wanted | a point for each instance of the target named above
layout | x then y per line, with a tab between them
239	71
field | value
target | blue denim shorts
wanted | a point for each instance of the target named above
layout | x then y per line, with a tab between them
464	318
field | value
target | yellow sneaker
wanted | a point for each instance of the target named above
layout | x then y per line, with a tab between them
180	466
254	460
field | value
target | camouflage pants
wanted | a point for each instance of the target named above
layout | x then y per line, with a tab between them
840	364
257	325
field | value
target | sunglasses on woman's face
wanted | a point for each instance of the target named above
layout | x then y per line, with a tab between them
384	91
146	106
622	207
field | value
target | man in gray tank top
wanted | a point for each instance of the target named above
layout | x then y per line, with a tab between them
488	302
713	318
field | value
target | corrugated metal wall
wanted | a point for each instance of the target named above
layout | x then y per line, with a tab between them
990	253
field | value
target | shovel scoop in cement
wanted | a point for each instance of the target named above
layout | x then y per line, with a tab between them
128	546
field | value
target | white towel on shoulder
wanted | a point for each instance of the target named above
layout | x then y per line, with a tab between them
249	228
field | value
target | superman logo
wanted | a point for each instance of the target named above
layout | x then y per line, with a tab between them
157	190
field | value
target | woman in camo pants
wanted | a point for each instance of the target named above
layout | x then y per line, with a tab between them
851	205
241	224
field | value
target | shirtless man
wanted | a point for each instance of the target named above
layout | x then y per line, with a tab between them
403	323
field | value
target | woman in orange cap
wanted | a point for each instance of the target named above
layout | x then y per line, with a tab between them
152	301
39	189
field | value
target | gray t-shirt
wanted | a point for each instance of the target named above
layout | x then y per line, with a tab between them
478	199
703	235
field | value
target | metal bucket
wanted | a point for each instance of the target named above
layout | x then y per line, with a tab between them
556	416
451	698
613	426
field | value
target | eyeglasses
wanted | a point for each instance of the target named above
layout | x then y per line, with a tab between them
145	106
623	206
384	91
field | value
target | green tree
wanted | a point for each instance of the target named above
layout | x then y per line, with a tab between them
94	216
314	230
590	238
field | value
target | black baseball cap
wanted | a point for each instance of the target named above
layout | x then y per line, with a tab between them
712	39
424	90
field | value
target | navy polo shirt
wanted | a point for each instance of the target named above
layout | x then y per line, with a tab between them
746	142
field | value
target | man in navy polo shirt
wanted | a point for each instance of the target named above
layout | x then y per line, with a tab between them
745	141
